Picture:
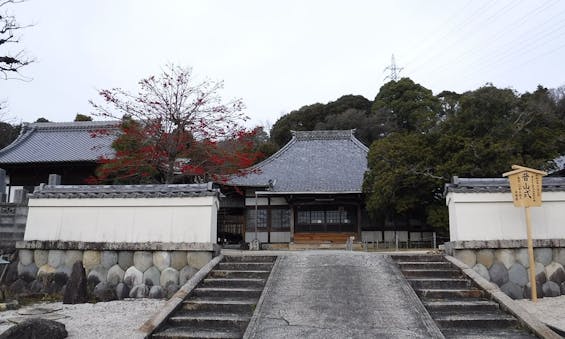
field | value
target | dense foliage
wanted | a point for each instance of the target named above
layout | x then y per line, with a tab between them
420	140
481	134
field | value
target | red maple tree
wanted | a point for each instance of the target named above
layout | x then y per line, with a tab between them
175	129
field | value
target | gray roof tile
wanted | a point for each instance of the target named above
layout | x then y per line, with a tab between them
313	161
60	142
123	191
498	185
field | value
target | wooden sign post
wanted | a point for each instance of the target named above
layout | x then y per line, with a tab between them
525	185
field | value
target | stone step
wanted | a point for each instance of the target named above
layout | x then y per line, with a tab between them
418	258
484	333
497	320
245	266
260	274
453	306
188	332
437	273
439	283
449	293
219	305
250	258
227	293
433	265
210	320
233	282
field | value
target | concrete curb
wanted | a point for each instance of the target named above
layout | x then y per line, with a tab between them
409	292
253	322
159	318
506	303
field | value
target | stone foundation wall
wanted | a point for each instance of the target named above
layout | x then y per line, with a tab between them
156	271
508	267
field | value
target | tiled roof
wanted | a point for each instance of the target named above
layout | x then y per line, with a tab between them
60	142
498	185
313	161
123	191
560	162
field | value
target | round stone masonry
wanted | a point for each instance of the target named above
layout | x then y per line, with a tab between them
152	276
25	257
169	276
554	272
90	259
142	260
559	255
518	275
161	260
40	257
108	258
178	260
543	255
115	275
125	259
98	271
133	277
505	256
72	256
166	270
523	257
198	259
186	273
56	258
468	257
551	289
498	274
485	257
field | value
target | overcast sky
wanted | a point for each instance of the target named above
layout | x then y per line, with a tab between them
279	56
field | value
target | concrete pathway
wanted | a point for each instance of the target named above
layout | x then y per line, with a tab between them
339	295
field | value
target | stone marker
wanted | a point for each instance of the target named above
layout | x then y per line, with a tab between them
156	292
139	291
122	291
104	292
36	328
75	292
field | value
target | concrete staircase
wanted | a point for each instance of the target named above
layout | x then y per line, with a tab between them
223	303
460	309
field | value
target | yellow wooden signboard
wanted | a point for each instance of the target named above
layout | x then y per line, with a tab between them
525	185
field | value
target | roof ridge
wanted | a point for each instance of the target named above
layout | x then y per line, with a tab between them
77	125
323	134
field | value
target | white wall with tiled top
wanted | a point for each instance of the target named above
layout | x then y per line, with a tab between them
492	216
129	220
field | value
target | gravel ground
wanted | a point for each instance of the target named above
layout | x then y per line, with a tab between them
121	319
114	319
548	310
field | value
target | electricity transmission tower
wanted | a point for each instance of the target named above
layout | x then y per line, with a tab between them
394	70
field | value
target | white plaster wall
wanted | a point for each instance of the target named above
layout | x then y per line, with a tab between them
175	220
492	216
275	201
261	236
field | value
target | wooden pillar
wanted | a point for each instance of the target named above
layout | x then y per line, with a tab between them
291	223
359	222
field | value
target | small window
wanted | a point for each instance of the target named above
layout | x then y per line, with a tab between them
303	217
280	219
261	219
